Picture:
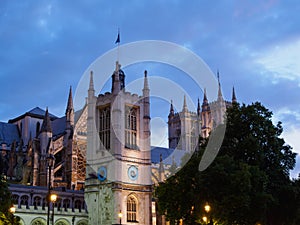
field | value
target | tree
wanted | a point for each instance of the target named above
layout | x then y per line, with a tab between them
247	183
6	217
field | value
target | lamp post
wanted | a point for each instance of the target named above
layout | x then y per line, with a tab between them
207	209
53	198
120	216
12	210
50	161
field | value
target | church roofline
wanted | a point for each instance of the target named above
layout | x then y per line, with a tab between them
35	113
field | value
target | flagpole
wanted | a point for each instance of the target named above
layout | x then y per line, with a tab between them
118	49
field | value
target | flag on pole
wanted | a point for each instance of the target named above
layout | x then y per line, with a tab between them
118	38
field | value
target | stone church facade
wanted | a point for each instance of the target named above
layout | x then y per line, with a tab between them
104	163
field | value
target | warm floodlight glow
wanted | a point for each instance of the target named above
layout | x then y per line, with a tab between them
12	209
53	197
207	207
120	214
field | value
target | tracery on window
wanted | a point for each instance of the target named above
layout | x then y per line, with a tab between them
131	127
104	126
131	209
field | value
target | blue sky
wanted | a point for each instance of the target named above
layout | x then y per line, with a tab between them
47	45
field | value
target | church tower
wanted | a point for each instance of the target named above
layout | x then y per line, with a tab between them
118	187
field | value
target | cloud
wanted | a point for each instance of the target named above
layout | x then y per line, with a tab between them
291	136
281	61
159	132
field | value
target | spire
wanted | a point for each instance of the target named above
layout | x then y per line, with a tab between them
198	108
171	109
205	106
91	86
146	84
46	126
70	111
234	100
185	108
220	96
70	101
205	101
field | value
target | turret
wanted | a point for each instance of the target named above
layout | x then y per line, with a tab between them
184	108
91	91
198	108
91	128
46	125
146	106
118	80
161	170
205	105
220	96
45	147
171	113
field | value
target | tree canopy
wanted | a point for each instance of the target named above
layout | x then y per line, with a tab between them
6	217
248	182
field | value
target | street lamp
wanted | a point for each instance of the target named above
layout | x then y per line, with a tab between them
12	210
120	216
207	208
53	198
50	161
204	218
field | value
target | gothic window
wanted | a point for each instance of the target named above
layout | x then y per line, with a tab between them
131	127
24	200
38	126
78	205
131	209
37	201
104	127
15	199
66	204
58	203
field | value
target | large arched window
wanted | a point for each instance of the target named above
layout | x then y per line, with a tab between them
104	127
131	127
131	209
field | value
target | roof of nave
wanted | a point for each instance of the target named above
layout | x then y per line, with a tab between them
58	126
35	112
168	155
8	133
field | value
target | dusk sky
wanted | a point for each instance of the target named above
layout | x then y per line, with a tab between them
46	46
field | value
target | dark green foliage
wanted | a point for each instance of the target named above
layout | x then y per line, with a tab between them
6	218
5	196
247	183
